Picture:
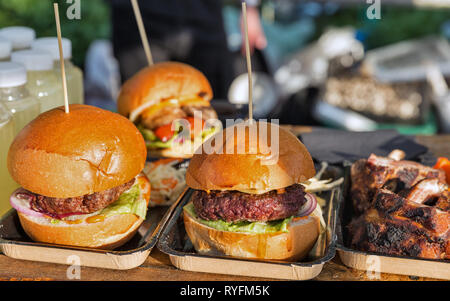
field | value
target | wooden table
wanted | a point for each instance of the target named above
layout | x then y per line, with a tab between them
158	266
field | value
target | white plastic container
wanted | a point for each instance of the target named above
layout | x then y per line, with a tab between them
74	75
5	49
15	96
43	83
21	37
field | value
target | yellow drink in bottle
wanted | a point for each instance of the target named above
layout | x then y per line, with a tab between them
7	184
42	82
74	75
15	96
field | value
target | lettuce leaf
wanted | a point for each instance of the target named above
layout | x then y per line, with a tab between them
152	141
208	132
128	202
244	226
147	134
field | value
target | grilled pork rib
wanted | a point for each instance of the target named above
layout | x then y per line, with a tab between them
404	208
380	172
376	232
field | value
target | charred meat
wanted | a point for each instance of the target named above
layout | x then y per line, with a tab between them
233	206
60	207
404	208
380	172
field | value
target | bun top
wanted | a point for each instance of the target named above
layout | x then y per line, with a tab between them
260	163
164	80
66	155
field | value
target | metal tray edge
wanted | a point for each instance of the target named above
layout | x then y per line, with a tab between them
340	246
330	253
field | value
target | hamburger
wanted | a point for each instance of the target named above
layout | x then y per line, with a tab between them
248	205
80	177
158	97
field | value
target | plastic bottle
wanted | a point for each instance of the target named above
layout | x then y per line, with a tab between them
42	82
5	49
21	37
74	75
7	184
15	96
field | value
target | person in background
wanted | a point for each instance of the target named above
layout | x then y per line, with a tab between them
189	31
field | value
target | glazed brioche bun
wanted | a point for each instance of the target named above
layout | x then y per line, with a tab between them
251	172
85	151
285	246
166	80
102	233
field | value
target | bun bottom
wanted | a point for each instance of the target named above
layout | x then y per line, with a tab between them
108	234
285	246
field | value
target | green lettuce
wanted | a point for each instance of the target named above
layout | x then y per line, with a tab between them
208	132
152	141
147	134
244	226
128	202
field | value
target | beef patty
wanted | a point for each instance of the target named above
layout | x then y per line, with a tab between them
60	207
234	206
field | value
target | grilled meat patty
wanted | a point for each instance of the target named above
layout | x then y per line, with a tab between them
60	207
234	206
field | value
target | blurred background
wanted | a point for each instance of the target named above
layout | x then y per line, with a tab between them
316	62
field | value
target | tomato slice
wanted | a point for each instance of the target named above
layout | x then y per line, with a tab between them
444	164
164	133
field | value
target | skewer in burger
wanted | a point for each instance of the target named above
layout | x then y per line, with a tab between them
165	92
81	178
246	204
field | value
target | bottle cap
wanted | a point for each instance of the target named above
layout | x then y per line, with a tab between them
50	44
12	75
20	36
5	48
34	59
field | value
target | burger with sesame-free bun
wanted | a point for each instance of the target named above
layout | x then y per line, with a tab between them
80	177
247	205
159	95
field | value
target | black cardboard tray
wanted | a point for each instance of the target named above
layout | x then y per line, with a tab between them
175	242
15	243
375	263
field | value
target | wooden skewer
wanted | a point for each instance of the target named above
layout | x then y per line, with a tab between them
61	58
137	14
249	64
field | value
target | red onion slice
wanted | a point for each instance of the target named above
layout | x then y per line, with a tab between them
22	204
309	206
